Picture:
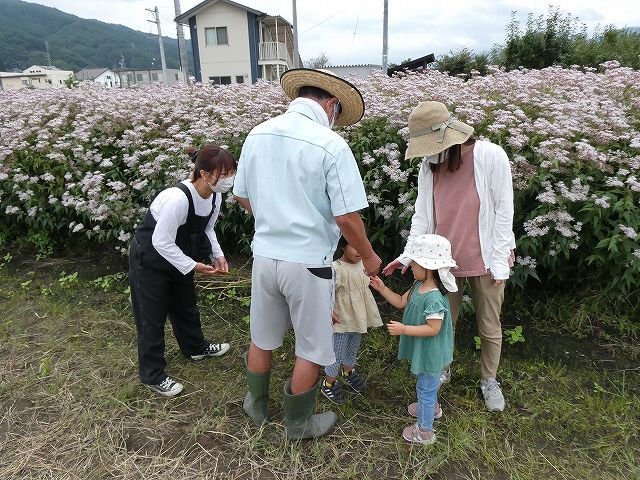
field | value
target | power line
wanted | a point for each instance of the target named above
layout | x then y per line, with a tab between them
354	32
323	21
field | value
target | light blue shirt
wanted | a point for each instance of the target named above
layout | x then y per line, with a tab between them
298	175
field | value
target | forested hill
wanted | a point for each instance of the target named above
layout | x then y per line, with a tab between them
75	43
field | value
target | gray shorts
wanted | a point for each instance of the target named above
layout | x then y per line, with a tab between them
285	294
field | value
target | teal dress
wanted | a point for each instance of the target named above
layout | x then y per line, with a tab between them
427	354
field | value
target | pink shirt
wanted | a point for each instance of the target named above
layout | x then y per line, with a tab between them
456	208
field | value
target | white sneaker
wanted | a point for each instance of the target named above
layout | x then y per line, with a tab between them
167	388
493	398
213	350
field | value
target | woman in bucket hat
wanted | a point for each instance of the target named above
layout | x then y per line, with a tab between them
426	331
465	193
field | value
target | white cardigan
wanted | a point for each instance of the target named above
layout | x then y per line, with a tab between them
492	174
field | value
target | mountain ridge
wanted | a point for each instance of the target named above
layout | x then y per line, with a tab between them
75	43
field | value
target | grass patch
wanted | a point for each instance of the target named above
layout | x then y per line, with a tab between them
71	405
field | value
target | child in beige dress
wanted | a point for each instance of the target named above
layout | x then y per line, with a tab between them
356	310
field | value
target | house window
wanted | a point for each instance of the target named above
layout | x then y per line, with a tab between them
139	77
239	78
220	80
177	77
154	77
25	82
216	36
108	77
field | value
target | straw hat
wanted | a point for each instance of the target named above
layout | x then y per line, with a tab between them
433	252
432	130
349	96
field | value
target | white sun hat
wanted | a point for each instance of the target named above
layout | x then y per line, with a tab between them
433	252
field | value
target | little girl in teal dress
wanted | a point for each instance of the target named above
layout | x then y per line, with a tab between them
426	331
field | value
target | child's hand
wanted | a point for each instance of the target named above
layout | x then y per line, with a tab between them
396	328
376	283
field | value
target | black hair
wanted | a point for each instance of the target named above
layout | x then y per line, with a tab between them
340	248
453	155
314	92
439	284
213	159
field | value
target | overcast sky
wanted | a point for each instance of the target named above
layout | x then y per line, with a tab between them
350	31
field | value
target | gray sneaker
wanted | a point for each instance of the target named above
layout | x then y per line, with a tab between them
493	398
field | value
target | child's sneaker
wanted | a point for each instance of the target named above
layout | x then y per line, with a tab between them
413	410
167	388
212	350
413	434
354	380
493	398
333	392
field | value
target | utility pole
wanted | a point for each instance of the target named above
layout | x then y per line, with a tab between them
46	45
156	20
385	35
182	47
296	55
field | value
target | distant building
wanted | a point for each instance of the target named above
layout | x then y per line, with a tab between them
103	76
233	43
416	65
130	77
35	76
363	71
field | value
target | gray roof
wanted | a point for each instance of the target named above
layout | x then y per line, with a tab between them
195	10
90	73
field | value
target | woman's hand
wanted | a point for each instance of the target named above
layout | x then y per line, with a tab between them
392	266
204	269
396	328
221	264
376	283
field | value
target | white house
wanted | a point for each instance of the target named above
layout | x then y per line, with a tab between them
14	80
233	43
129	77
47	77
363	71
103	76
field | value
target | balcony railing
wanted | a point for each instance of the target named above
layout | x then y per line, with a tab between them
273	52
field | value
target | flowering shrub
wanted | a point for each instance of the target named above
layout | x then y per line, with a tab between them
86	162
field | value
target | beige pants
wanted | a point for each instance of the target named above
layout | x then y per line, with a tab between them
487	299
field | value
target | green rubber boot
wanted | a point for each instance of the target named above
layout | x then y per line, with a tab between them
255	402
299	419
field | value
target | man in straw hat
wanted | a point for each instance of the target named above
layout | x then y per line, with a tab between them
465	194
302	184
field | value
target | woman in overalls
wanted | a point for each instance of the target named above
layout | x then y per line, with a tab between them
171	244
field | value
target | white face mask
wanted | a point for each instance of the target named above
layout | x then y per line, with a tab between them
436	159
223	185
336	111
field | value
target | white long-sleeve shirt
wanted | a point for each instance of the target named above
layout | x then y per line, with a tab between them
170	210
492	173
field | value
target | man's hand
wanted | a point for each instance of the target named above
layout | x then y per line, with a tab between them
204	269
372	264
396	328
392	266
335	318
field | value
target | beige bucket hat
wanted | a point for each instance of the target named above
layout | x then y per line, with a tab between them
433	252
432	129
350	97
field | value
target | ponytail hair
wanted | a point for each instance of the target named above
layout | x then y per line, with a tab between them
212	159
